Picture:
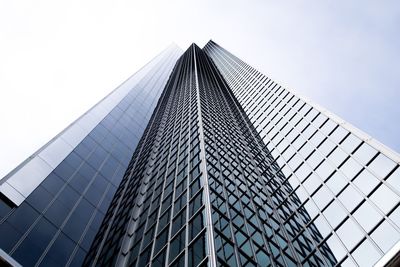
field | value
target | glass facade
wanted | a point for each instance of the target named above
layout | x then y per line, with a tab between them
60	212
207	162
347	182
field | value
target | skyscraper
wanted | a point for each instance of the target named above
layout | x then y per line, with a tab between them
231	169
52	205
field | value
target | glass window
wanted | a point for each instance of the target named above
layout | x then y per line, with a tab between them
334	214
52	183
294	182
42	233
317	138
384	198
338	156
365	181
197	251
161	241
303	171
350	168
195	204
68	197
27	253
179	262
160	259
324	170
366	254
195	187
338	134
364	153
336	247
178	222
350	234
395	217
348	263
319	120
79	182
385	236
394	179
382	165
22	217
328	127
180	203
57	213
177	245
326	147
295	162
312	183
196	225
88	238
79	257
367	216
302	194
322	226
39	198
315	159
306	150
61	249
311	209
322	197
76	223
336	182
350	143
350	198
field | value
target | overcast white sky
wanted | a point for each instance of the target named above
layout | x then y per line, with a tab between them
58	58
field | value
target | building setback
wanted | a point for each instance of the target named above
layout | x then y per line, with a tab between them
200	160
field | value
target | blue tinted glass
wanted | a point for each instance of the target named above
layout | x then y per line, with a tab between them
78	258
39	198
4	209
79	182
61	250
68	197
23	217
52	183
57	213
78	220
9	236
64	171
27	253
42	233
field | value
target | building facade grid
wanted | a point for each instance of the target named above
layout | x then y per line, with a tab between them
204	161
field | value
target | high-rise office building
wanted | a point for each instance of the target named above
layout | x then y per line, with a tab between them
52	205
231	169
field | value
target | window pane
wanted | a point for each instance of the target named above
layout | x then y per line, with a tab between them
350	198
338	156
365	181
350	168
367	216
350	143
382	165
197	251
364	154
322	197
384	198
336	182
334	214
337	248
350	234
366	254
394	179
385	236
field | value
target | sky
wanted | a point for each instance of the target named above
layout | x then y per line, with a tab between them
59	58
